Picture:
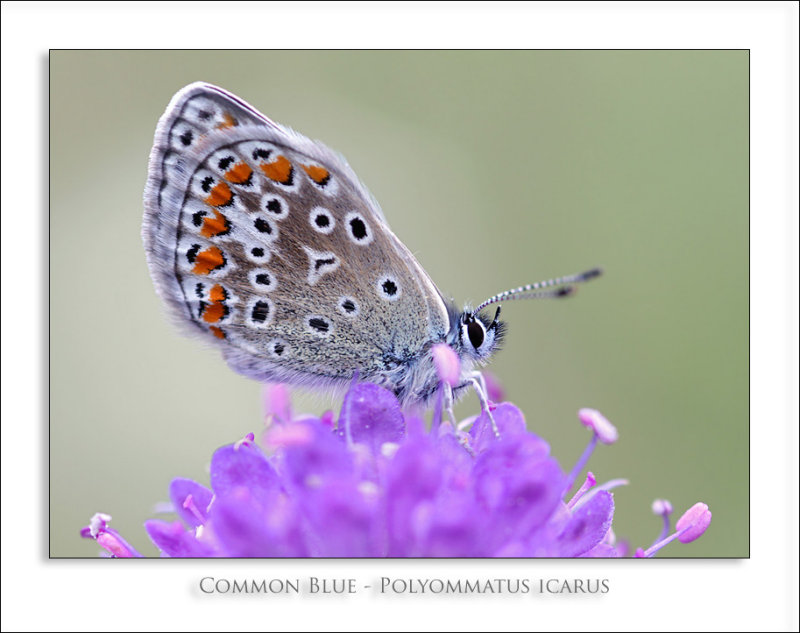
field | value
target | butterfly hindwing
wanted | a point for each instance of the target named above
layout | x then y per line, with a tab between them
266	243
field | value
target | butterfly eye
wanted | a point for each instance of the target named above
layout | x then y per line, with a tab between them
475	333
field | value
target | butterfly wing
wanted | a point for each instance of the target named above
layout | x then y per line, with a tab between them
266	243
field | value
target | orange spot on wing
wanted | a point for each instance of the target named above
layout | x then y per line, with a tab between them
239	173
217	331
279	170
318	174
208	260
218	225
220	195
217	293
227	121
213	312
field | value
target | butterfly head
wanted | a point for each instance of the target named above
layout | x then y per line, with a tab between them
476	337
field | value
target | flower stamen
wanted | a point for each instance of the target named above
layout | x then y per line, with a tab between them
587	484
689	527
662	508
191	506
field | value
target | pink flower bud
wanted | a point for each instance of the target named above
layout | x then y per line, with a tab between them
693	523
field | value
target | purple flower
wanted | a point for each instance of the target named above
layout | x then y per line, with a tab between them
108	538
377	483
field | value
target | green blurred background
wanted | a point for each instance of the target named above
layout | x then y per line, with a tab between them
496	168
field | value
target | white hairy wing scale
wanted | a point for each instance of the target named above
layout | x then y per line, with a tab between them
266	244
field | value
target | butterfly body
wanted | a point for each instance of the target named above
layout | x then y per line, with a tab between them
267	245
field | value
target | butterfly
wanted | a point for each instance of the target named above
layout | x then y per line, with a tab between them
266	244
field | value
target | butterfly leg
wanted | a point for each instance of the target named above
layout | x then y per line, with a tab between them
444	402
476	375
479	384
448	404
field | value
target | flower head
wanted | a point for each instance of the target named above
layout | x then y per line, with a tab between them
377	483
108	538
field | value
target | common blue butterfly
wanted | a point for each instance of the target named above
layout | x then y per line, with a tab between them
266	244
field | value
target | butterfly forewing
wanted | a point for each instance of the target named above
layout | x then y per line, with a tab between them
268	245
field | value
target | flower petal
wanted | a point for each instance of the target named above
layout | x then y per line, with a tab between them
413	478
320	456
373	415
246	528
518	484
455	527
510	423
602	550
588	526
342	518
174	540
180	490
246	466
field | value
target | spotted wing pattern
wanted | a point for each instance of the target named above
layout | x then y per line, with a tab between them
265	243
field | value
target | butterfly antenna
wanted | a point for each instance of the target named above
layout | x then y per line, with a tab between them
542	289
